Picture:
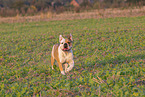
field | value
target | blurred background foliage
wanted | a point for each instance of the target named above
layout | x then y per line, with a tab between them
33	7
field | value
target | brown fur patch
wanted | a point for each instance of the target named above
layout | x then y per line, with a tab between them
56	52
56	57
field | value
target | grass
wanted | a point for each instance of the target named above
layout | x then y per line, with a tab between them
98	13
109	58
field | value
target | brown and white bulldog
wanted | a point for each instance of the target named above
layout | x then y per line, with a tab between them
63	54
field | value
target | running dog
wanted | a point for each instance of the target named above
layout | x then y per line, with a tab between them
63	54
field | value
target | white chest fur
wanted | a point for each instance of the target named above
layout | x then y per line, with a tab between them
65	56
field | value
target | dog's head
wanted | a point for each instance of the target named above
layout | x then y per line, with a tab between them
65	43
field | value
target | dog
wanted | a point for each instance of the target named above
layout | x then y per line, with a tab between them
63	54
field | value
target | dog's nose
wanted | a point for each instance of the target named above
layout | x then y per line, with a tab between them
65	45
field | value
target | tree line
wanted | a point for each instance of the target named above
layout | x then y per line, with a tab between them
32	7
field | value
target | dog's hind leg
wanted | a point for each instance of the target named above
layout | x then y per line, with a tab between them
52	57
52	61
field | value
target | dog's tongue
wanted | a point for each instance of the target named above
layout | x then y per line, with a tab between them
65	49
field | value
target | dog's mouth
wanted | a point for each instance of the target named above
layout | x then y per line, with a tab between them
65	49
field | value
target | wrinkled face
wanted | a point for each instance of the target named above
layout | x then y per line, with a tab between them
65	44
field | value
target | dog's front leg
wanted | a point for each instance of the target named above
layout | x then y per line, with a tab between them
66	65
61	69
71	65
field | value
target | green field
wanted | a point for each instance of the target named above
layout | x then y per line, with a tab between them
109	57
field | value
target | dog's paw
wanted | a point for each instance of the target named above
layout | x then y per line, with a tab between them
62	72
52	68
66	70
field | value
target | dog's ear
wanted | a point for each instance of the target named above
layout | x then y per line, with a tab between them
60	38
70	37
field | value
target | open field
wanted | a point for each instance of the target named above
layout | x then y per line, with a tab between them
99	13
109	58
